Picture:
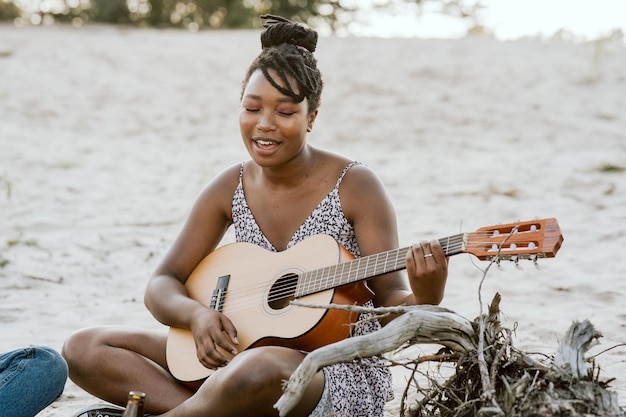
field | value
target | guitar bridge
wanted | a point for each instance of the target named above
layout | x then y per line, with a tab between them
219	293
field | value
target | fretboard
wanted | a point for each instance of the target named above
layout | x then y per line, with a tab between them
367	267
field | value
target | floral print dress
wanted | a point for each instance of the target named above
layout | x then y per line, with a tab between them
358	388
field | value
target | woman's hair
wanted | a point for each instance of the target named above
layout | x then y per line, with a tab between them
288	49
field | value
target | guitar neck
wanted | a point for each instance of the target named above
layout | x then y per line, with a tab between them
366	267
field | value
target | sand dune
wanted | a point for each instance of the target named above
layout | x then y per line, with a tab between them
107	134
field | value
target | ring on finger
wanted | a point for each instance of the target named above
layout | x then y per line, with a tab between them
427	255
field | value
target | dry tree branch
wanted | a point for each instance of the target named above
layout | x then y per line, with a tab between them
488	386
418	324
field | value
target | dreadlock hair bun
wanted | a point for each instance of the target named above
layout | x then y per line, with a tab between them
279	30
287	48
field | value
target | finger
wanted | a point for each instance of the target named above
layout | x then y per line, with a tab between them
414	256
426	251
230	330
224	341
437	251
209	356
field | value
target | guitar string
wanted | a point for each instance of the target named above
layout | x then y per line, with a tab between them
285	289
338	274
329	277
287	285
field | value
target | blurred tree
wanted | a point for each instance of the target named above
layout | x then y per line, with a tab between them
109	11
238	14
226	14
156	13
9	11
464	9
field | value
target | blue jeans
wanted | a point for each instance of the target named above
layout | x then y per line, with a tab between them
30	379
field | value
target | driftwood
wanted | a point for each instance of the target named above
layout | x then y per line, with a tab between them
492	378
425	324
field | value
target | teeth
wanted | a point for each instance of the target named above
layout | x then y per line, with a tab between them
264	142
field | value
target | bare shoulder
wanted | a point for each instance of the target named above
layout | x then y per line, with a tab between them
225	180
221	188
361	179
361	191
337	163
228	179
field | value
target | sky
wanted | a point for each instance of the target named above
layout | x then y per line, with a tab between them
510	19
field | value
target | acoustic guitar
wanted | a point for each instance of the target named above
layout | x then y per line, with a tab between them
253	287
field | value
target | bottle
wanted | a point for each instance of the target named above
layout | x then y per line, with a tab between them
134	406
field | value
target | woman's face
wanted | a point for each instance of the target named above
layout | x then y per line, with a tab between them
273	126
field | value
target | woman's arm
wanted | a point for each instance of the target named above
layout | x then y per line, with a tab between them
165	295
367	205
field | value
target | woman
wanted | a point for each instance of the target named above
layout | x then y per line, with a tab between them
287	191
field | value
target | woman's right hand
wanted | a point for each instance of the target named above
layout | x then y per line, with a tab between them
212	329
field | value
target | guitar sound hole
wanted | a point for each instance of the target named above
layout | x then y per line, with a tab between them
283	291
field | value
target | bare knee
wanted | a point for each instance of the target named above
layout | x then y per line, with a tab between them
81	347
252	383
262	369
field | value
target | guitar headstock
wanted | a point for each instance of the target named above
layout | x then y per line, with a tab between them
514	241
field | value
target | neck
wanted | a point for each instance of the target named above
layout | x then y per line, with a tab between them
292	173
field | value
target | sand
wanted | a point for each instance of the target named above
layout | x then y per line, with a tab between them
107	135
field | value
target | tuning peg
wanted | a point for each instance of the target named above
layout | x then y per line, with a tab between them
535	260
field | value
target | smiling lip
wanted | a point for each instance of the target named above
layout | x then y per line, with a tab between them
265	142
265	146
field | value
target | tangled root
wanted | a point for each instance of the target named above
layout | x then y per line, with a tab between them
503	381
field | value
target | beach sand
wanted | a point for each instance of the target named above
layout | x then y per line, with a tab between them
107	135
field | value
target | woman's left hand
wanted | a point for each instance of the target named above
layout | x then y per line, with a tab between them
427	267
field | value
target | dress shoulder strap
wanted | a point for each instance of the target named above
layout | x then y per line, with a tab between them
241	172
345	170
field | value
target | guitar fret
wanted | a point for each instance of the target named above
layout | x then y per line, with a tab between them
331	273
325	276
342	275
357	273
314	277
330	276
374	266
349	270
386	258
319	277
363	269
400	258
304	283
384	264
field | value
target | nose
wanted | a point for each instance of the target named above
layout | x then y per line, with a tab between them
266	121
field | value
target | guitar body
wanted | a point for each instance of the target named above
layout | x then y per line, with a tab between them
255	277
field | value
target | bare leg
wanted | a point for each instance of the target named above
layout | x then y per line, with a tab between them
249	386
108	362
